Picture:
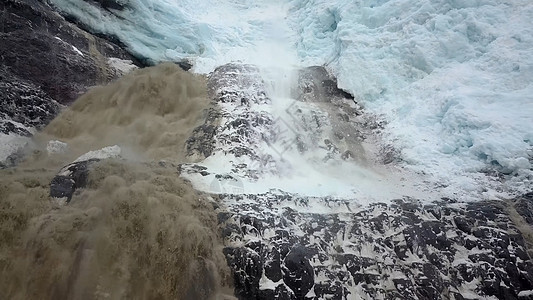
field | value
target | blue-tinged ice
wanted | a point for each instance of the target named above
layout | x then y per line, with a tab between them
452	78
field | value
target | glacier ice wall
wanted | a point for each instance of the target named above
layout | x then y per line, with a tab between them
452	78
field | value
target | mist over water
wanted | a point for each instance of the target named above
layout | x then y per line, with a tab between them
137	231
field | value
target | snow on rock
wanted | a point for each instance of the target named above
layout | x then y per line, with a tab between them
303	143
42	48
405	249
25	107
291	244
46	63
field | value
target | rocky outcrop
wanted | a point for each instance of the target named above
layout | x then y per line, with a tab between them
282	245
406	249
242	128
46	62
75	175
69	179
233	127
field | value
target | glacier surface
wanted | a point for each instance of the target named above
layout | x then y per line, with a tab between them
452	79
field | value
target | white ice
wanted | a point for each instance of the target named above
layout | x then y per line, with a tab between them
452	78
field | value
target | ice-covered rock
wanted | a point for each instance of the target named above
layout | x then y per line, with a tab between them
303	140
292	245
333	249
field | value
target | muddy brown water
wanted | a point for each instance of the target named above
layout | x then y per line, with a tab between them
138	230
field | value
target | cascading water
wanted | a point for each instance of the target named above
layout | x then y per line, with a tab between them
137	230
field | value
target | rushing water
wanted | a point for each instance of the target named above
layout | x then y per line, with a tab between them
137	231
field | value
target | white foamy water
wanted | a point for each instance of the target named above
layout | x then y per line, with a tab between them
452	79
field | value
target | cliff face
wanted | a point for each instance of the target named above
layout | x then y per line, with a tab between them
46	62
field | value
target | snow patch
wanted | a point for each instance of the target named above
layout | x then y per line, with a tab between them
77	50
123	66
54	147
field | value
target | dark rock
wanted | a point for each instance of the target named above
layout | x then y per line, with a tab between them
279	293
463	224
25	103
231	229
246	267
42	48
405	288
70	178
400	238
524	206
112	4
202	140
298	274
406	249
45	61
317	83
330	290
184	65
223	217
273	265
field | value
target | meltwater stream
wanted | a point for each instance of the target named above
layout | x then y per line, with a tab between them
137	230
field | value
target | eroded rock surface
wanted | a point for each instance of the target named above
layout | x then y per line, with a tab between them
316	248
243	128
39	46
